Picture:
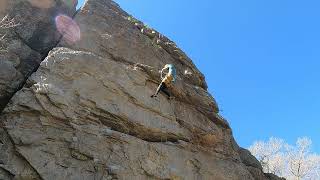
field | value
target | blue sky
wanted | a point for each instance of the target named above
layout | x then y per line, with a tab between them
261	59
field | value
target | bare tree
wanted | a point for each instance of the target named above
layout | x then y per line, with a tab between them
301	163
292	162
270	155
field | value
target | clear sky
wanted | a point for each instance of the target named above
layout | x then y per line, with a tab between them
261	59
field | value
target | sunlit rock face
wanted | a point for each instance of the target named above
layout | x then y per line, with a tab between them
86	113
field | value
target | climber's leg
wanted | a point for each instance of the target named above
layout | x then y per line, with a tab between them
159	89
162	87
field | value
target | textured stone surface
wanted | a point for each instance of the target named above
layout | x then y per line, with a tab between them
80	111
108	30
248	159
27	42
86	113
12	164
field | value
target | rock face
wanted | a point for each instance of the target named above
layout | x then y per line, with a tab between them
29	33
86	113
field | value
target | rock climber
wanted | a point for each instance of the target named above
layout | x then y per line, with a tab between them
167	80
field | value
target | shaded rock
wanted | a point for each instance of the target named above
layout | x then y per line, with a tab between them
35	21
273	177
248	159
29	33
254	166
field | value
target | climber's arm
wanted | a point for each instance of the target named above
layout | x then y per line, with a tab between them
162	71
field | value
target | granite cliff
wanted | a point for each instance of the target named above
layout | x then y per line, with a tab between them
75	101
